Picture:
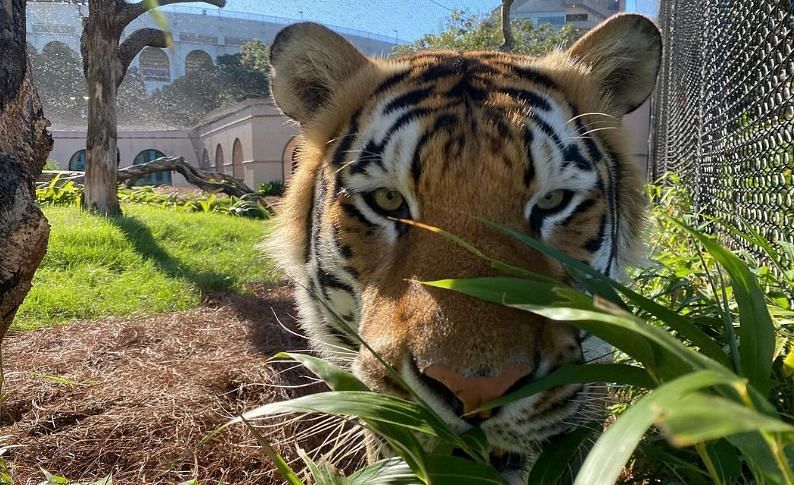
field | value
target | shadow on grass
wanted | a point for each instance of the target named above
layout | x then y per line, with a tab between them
147	246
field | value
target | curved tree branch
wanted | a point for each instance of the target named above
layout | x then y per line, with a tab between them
132	11
139	39
206	181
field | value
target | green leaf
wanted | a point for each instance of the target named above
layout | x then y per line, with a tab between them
662	355
555	461
453	470
613	449
321	475
788	363
373	406
578	374
336	377
759	456
698	417
286	472
584	274
756	331
392	471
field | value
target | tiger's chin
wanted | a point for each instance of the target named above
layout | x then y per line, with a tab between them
517	433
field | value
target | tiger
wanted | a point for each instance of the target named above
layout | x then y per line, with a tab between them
445	137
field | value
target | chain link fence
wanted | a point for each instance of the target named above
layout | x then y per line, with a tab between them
723	114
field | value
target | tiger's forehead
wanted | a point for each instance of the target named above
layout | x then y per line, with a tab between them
443	112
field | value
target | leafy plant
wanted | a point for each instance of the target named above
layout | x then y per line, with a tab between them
56	192
274	187
707	369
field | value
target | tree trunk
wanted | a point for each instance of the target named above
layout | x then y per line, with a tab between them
24	146
105	62
103	72
507	31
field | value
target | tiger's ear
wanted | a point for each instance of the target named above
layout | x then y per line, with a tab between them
623	54
310	62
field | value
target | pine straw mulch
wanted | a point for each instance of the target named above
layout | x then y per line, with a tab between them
131	397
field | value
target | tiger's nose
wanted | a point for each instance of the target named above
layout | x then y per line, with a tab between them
474	391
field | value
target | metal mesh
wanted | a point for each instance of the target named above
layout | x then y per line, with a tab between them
724	113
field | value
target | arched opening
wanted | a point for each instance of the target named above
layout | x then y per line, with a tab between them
204	164
157	178
195	60
289	158
237	159
219	159
77	162
155	65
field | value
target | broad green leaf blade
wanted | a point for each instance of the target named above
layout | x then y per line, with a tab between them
698	417
726	460
336	377
281	465
614	448
662	355
756	330
583	272
578	374
453	470
373	406
393	471
557	457
760	458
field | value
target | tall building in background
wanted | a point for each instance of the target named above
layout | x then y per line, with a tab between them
582	14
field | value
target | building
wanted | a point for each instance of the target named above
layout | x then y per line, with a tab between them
251	140
582	14
200	35
248	140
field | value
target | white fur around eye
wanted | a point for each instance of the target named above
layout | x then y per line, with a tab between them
551	200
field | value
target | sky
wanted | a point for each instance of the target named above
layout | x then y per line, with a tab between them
407	20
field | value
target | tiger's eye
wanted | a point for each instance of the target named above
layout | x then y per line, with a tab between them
388	200
552	200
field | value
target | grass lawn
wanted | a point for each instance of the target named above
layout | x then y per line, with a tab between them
151	260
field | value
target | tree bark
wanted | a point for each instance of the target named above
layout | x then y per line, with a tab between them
105	62
24	146
507	31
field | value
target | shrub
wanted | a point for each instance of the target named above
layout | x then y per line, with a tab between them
274	187
706	366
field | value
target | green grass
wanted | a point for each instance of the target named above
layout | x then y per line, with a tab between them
150	260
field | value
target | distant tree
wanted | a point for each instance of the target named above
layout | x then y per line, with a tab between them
132	102
105	62
58	74
230	80
475	32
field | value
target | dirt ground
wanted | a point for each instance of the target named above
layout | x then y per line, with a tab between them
132	397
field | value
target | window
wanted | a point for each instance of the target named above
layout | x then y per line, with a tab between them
195	60
555	21
576	17
158	178
204	164
77	162
237	159
155	65
219	159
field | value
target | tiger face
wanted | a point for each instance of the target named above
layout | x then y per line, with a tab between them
535	144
